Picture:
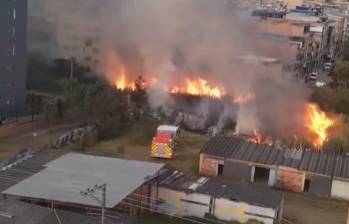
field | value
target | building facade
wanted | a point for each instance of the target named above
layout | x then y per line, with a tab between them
13	44
321	174
194	196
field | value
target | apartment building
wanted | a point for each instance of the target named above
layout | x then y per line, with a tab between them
13	44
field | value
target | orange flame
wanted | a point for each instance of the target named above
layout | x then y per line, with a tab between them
244	98
199	87
258	138
122	83
318	124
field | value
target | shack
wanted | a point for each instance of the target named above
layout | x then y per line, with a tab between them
207	198
318	173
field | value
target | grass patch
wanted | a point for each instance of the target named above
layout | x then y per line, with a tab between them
11	145
187	154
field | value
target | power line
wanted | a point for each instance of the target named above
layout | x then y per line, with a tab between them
155	211
168	202
90	192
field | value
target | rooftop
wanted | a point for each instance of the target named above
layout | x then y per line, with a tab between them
253	195
235	148
168	128
298	16
62	179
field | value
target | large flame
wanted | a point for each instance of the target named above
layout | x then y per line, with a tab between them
318	123
122	83
198	87
258	138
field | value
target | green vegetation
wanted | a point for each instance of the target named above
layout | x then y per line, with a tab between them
11	144
334	100
342	70
41	76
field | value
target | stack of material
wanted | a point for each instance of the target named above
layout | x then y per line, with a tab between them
191	122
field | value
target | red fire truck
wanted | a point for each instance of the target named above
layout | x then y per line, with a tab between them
165	142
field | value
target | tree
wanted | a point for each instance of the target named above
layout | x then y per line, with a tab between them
140	94
342	70
341	74
98	104
346	51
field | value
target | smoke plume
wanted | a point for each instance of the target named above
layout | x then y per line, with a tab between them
170	40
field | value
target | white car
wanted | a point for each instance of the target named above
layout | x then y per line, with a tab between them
328	66
320	84
313	76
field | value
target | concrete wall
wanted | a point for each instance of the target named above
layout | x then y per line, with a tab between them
340	189
198	205
290	179
209	165
236	170
180	203
13	39
319	185
272	177
238	211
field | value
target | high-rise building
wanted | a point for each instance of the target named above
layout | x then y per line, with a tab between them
13	53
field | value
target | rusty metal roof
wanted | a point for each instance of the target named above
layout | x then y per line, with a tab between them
304	160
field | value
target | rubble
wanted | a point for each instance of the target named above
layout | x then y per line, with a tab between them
73	136
191	122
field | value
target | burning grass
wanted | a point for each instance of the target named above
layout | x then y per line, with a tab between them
318	123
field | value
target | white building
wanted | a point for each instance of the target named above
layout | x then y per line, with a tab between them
182	195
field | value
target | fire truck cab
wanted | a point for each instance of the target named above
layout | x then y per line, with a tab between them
165	142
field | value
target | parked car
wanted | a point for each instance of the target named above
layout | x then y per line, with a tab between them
320	84
313	76
328	66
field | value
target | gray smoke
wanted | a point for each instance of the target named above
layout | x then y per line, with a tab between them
174	39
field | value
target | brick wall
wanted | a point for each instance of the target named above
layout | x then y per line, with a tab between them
290	179
209	165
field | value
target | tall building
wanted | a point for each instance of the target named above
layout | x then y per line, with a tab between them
13	45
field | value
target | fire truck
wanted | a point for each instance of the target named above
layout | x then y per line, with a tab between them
165	142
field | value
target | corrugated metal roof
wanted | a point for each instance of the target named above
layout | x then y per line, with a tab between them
64	178
176	180
305	160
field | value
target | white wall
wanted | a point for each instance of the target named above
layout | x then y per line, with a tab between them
272	177
179	203
231	210
340	189
225	209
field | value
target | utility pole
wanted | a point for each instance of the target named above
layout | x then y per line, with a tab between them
71	67
91	191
